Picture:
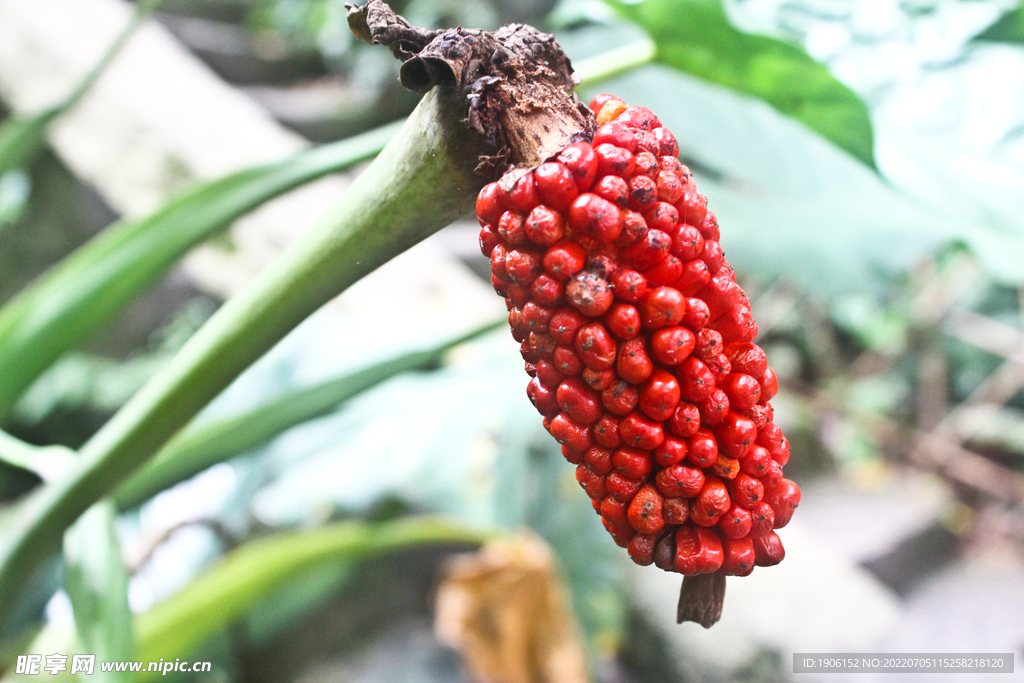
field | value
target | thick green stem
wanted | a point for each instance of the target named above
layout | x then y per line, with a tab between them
421	181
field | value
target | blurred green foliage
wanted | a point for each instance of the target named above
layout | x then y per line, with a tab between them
828	246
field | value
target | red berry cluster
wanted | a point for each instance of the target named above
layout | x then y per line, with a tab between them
640	345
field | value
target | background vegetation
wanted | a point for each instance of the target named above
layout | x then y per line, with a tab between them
866	161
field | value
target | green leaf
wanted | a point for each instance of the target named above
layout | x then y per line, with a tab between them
204	445
97	583
695	36
67	304
1009	28
245	576
420	182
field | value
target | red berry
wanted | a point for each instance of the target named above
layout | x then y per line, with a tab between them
695	380
641	548
659	396
735	434
645	511
542	397
640	432
675	511
581	161
762	518
671	451
623	321
672	345
698	550
743	390
631	463
736	523
643	192
739	557
662	307
614	189
595	217
633	364
680	481
490	204
768	550
579	401
685	421
622	486
592	483
629	285
544	226
556	185
588	293
615	133
599	380
595	346
620	398
570	433
606	431
711	503
702	449
783	499
714	408
687	243
612	160
599	459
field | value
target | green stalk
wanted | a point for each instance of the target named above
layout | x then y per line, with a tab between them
47	462
615	62
203	445
421	181
65	306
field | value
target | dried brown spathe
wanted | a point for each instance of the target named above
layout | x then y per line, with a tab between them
505	610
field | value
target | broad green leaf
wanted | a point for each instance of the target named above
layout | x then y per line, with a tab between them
204	445
1009	28
695	36
87	289
97	583
245	576
421	181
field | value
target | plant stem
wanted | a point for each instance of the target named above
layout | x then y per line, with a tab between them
615	62
47	462
422	181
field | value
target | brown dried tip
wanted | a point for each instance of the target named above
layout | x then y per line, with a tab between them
517	82
701	599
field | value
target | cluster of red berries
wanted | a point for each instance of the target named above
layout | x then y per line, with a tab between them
640	345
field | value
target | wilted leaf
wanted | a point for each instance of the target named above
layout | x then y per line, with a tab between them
505	609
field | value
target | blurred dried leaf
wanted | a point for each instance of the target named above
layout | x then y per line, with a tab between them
505	609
